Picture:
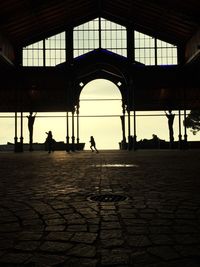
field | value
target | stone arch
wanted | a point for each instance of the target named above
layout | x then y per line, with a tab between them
101	64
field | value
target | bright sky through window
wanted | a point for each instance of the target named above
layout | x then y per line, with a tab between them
99	33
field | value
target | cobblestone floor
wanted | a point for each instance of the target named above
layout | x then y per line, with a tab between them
47	217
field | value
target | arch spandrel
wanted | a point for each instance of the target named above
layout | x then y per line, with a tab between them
104	64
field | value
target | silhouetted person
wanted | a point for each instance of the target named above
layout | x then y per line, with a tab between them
31	120
170	118
123	142
93	144
155	141
49	141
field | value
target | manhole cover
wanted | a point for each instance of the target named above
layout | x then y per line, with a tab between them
107	198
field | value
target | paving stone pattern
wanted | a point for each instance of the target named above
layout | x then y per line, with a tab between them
47	217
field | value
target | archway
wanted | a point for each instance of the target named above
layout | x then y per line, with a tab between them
100	110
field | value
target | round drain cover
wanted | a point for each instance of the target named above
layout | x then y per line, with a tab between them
107	198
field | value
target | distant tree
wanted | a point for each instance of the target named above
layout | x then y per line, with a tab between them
193	121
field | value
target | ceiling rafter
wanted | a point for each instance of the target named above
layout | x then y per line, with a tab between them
173	21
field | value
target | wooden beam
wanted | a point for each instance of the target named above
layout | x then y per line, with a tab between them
192	48
7	55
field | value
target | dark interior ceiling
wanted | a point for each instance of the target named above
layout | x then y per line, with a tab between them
27	21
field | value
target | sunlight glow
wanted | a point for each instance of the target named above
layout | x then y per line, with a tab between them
105	128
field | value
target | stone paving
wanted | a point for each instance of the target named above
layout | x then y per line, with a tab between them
48	219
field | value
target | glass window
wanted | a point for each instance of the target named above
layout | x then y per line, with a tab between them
147	47
166	53
113	37
86	37
33	54
55	49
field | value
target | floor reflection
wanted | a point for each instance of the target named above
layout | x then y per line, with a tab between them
116	165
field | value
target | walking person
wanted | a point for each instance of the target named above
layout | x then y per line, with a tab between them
31	120
93	144
49	141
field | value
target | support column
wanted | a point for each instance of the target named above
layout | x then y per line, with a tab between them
18	146
184	115
134	116
15	138
69	59
134	130
130	43
67	129
77	123
179	127
129	131
73	137
185	132
131	58
21	136
69	44
123	142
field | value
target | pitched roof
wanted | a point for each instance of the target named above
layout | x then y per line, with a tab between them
26	21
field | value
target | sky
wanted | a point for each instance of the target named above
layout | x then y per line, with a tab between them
100	118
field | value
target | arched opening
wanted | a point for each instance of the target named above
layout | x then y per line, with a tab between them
100	110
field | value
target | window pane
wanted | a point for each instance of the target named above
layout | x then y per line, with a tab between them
86	37
145	50
113	36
